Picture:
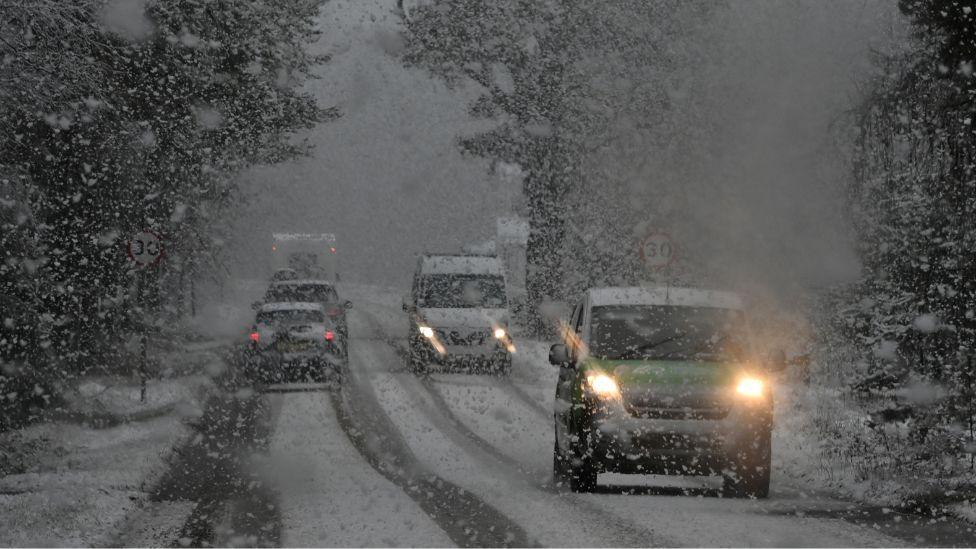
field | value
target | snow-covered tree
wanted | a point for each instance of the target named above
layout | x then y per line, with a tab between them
123	115
575	88
914	205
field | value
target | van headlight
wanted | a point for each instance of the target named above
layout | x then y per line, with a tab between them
602	386
500	333
751	387
426	331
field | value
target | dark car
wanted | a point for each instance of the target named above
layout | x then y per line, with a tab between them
293	342
313	291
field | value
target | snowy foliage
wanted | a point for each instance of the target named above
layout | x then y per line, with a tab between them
911	321
119	117
575	88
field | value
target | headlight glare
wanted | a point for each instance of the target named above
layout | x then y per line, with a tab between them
500	333
603	385
750	387
426	331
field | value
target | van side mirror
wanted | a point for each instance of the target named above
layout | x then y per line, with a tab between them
347	304
408	305
559	355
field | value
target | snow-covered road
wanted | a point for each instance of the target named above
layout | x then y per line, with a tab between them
483	434
393	459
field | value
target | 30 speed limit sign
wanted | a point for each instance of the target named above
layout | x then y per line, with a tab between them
657	251
145	248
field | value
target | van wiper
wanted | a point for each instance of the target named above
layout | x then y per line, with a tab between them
709	347
641	350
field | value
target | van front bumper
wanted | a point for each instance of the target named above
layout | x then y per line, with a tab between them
622	443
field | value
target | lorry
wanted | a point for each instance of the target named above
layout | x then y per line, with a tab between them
310	255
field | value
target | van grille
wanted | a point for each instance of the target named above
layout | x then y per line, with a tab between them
647	412
459	337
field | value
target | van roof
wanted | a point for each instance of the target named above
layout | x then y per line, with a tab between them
302	282
680	297
460	264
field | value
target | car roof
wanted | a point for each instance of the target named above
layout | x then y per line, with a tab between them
460	264
291	306
302	282
679	297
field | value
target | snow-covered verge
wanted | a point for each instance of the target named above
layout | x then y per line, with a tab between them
531	369
826	440
71	482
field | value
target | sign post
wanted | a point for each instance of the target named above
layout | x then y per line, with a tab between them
145	250
657	251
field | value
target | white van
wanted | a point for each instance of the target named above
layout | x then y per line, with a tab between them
459	314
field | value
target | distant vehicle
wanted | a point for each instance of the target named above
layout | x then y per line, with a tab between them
459	314
310	255
284	274
293	342
315	291
661	381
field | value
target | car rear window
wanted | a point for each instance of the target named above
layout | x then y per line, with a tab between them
302	292
290	315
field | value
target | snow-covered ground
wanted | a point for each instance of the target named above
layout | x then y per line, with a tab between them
70	484
331	496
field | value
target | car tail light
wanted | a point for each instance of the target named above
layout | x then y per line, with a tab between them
255	337
329	336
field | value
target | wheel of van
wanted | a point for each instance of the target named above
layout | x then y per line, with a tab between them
559	470
418	363
504	366
750	477
582	470
582	477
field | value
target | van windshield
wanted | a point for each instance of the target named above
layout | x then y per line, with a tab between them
628	332
455	291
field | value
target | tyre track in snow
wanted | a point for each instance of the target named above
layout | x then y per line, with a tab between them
437	397
511	388
232	506
627	533
465	518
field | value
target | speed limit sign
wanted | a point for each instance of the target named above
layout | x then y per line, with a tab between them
145	248
657	251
